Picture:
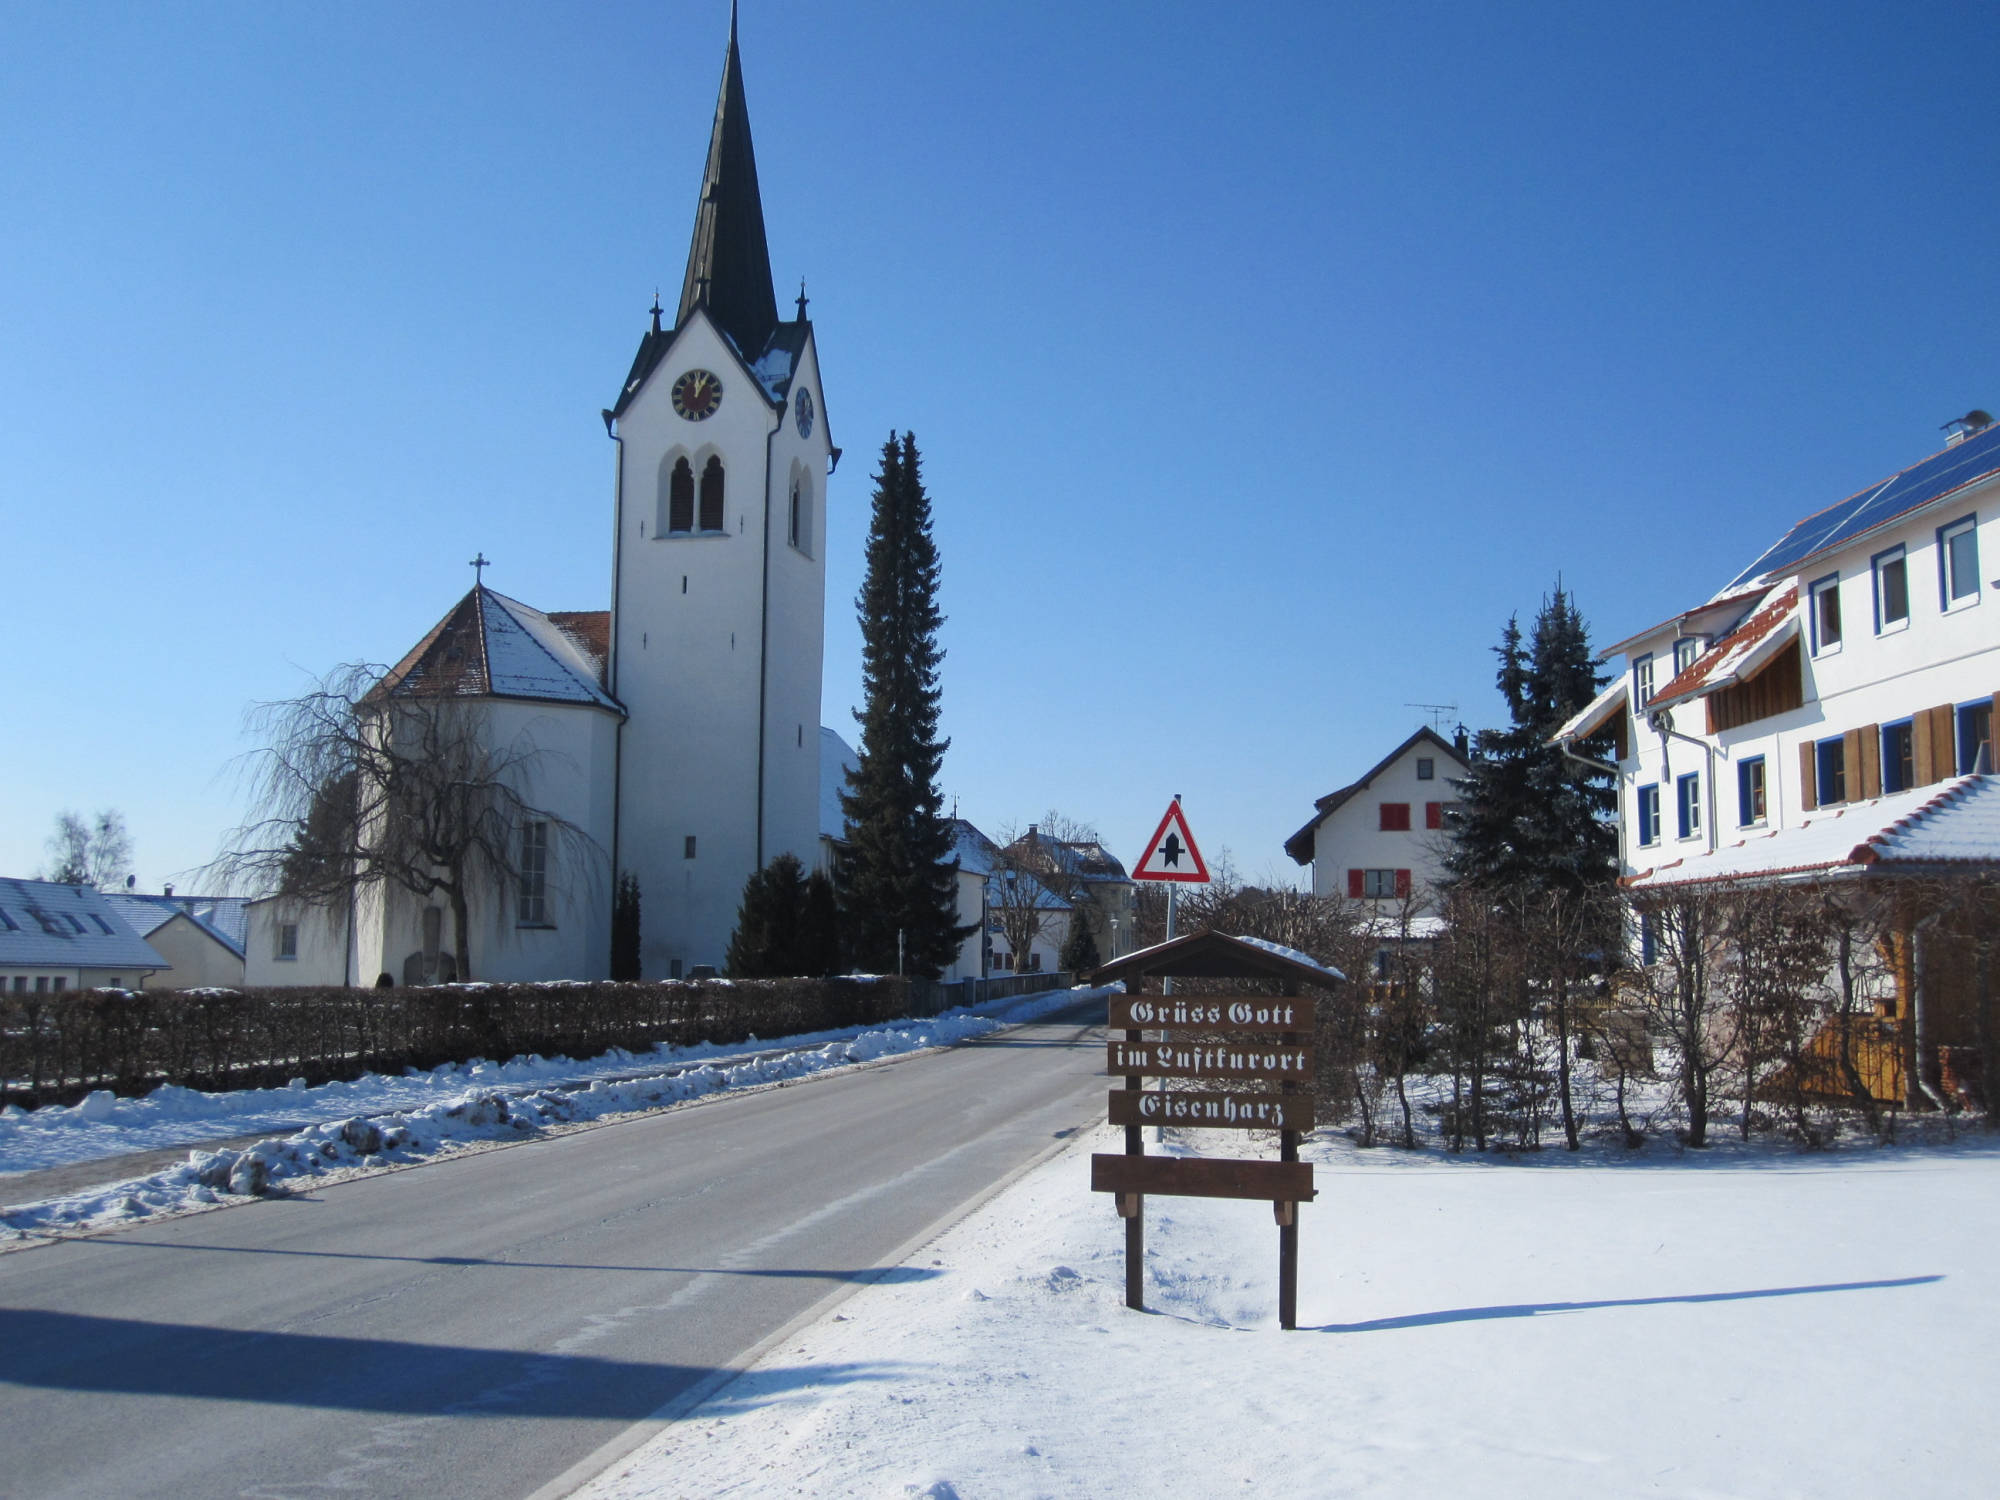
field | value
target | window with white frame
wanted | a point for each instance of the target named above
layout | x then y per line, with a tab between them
1686	649
1648	808
534	904
1899	756
1687	804
1642	680
1892	590
1830	770
1750	791
1975	737
1826	616
1958	563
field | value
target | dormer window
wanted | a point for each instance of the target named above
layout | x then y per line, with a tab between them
1686	649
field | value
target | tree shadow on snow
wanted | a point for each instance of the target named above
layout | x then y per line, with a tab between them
77	1352
1538	1309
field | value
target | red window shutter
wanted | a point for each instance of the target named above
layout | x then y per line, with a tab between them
1402	882
1433	815
1354	884
1395	817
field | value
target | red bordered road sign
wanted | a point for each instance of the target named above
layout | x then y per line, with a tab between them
1171	854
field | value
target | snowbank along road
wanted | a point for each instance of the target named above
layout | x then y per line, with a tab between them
501	1323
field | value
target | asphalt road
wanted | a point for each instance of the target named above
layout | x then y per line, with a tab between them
496	1325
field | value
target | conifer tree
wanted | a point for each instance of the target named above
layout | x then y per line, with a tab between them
625	962
1529	817
898	874
1079	950
765	944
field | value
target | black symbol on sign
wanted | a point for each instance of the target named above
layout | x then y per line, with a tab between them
1170	851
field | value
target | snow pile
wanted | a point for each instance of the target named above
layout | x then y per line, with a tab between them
488	1110
105	1125
1662	1323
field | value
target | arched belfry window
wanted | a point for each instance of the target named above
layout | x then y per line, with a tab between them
799	531
711	495
680	497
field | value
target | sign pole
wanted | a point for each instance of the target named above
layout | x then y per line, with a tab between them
1132	1207
1288	1214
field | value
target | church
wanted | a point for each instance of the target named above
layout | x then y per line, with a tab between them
678	732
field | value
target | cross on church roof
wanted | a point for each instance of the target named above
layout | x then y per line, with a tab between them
479	565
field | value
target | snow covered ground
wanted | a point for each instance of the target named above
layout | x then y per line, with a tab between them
1753	1321
379	1121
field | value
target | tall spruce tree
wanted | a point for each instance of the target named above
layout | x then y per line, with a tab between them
1529	817
898	874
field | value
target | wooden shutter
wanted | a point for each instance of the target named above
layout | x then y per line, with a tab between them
1808	776
1865	756
1943	759
1402	883
1354	884
1920	749
1433	815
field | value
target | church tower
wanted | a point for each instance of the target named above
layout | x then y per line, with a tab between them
718	602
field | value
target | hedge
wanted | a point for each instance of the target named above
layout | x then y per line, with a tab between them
57	1047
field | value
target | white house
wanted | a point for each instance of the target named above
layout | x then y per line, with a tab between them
60	937
1855	659
200	937
670	730
1382	837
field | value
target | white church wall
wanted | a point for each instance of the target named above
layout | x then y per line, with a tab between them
689	622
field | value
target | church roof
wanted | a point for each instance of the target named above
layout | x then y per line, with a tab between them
729	260
493	646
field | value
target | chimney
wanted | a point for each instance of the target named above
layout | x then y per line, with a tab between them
1461	741
1958	429
167	890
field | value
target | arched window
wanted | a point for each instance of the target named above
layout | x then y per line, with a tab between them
799	531
711	495
680	497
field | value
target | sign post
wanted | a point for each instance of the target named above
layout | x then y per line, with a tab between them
1233	1039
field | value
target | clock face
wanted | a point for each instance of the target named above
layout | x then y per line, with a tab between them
804	407
696	395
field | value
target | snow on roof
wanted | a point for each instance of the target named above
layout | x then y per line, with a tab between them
1954	823
1587	720
1283	952
1383	925
46	925
492	645
836	759
224	918
1754	641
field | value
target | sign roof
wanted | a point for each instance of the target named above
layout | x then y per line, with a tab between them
1171	853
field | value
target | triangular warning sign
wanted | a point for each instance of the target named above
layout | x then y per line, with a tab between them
1171	854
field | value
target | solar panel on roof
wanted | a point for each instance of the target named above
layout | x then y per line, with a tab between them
1940	474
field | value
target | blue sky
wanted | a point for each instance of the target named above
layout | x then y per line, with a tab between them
1264	358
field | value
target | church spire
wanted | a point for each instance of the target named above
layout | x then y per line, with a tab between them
729	263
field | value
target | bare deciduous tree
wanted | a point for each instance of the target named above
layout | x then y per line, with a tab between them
95	853
367	783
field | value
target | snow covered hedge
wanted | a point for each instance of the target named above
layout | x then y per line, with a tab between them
55	1048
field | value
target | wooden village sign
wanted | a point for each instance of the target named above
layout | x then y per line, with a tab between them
1262	1039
